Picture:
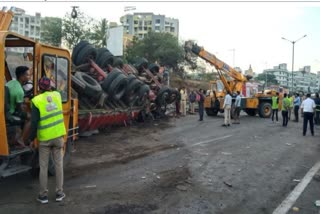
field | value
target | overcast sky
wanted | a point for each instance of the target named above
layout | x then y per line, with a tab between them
253	29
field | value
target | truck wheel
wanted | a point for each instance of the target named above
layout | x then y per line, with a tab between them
76	50
154	68
66	158
110	77
211	112
92	88
132	92
172	96
265	110
163	95
143	93
251	112
140	64
88	52
118	87
105	59
117	62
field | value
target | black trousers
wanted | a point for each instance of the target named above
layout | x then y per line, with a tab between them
201	110
317	119
285	118
296	113
275	111
307	116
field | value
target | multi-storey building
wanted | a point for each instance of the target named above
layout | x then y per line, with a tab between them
303	80
139	24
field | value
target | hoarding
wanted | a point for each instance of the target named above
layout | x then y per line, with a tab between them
115	40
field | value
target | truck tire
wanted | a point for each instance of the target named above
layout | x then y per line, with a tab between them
140	64
77	83
154	68
251	112
118	87
211	112
105	59
117	62
88	52
265	110
76	50
174	94
163	95
132	92
100	51
108	80
92	88
143	94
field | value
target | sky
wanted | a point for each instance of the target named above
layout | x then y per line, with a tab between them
253	29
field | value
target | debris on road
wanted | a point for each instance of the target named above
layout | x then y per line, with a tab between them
296	180
296	209
227	183
181	187
143	177
317	203
288	144
158	177
226	153
317	177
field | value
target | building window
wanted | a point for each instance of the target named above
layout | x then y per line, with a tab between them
157	21
145	28
135	22
157	27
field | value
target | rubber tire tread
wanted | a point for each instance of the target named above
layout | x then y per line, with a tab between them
76	50
92	89
118	87
110	77
87	52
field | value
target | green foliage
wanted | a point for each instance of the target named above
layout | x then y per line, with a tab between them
75	30
51	31
271	78
162	48
99	34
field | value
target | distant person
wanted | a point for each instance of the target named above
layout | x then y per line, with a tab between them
192	100
183	102
296	105
285	108
227	109
237	105
178	103
307	108
290	98
200	99
275	106
317	102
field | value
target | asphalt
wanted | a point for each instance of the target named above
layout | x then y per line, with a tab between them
180	165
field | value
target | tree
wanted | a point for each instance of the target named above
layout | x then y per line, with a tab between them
162	48
75	30
99	34
51	31
271	78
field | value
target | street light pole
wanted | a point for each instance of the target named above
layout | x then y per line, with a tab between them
293	43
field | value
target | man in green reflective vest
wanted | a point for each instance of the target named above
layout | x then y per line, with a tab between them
285	108
47	124
290	98
275	106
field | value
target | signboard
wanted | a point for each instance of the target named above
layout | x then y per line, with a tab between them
115	40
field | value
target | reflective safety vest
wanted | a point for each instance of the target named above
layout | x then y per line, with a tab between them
291	102
285	104
51	123
275	102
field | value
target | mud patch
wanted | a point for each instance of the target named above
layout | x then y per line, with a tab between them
176	177
127	208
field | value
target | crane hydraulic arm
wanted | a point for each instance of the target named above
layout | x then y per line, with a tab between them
220	66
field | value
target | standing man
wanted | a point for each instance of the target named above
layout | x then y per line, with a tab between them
296	104
237	105
200	100
48	125
178	103
227	109
183	104
307	108
317	102
192	100
275	106
285	108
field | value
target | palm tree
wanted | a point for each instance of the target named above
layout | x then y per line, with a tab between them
99	34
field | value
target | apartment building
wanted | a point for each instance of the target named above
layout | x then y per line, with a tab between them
139	24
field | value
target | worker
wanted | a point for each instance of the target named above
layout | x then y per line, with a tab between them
16	98
307	108
227	109
48	126
285	109
178	103
183	103
317	102
200	99
275	106
296	104
237	105
192	100
290	98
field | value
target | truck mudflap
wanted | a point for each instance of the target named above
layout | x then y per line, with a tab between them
97	119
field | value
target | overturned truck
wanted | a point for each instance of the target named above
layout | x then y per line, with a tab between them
113	93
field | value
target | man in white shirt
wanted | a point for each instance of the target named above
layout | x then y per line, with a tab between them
237	105
307	107
183	102
227	108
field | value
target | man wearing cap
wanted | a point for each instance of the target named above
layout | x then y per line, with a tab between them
48	126
307	108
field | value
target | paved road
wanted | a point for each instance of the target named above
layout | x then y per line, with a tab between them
179	166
